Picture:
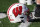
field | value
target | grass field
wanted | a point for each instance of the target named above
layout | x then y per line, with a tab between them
4	5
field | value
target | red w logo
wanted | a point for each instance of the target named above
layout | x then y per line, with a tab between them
17	11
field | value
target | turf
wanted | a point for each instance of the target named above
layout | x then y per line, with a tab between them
4	5
6	23
35	24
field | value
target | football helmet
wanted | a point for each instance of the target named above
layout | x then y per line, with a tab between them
17	12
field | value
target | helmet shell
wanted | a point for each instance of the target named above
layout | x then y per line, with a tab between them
15	11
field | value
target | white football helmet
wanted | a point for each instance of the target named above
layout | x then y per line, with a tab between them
16	12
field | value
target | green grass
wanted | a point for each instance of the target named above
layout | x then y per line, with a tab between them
6	23
35	24
4	5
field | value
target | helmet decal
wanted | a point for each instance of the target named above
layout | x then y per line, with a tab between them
17	10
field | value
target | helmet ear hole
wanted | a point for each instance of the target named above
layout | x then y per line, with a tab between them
23	21
21	17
